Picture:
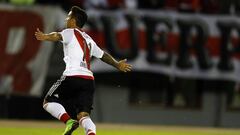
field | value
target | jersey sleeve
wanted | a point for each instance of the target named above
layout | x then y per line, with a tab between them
66	35
96	51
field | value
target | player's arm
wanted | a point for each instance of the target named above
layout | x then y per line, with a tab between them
53	36
120	65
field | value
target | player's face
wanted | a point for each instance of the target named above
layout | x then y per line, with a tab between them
69	21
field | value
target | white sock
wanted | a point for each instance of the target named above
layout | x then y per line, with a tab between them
88	125
55	109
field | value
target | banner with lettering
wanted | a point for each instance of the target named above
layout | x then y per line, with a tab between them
23	59
165	42
171	43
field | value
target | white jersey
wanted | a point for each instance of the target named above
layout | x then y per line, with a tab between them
78	49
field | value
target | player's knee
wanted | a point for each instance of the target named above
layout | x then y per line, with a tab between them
82	114
45	103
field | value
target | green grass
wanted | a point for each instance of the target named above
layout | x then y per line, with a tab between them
54	128
58	131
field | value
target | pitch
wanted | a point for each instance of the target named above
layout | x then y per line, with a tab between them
22	127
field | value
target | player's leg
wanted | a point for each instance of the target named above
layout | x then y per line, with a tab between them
56	110
59	112
84	105
86	122
53	104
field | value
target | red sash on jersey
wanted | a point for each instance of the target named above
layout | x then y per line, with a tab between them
83	44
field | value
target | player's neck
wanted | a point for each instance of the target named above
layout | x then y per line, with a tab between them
75	27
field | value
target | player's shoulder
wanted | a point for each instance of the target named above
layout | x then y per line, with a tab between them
68	30
83	33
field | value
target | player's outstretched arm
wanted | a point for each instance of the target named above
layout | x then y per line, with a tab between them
120	65
53	36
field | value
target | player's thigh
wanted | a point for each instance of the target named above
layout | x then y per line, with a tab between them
59	91
85	96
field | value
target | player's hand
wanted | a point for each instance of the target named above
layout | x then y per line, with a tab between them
40	35
123	66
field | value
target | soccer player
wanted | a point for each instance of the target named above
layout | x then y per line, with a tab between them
76	85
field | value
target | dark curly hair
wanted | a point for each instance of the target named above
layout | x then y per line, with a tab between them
79	15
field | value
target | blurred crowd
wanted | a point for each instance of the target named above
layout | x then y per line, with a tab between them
189	6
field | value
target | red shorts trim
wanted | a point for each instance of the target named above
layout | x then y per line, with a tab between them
83	76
